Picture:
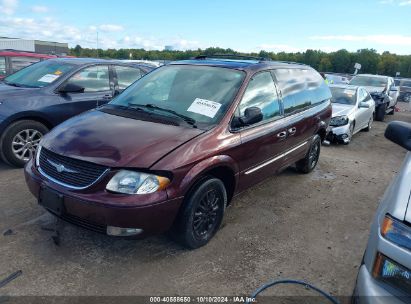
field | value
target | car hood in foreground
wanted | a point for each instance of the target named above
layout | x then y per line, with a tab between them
7	90
341	109
116	141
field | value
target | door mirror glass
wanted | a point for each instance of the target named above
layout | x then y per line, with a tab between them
394	89
364	105
251	116
70	87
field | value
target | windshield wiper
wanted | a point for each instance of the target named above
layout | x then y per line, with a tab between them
187	119
12	84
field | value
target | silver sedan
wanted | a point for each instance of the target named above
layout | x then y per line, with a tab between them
385	274
353	111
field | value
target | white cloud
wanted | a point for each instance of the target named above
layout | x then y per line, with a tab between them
110	28
398	2
39	9
403	3
392	40
8	7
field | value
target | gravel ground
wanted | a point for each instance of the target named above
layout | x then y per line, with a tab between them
311	227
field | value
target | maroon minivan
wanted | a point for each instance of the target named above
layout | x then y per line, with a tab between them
173	149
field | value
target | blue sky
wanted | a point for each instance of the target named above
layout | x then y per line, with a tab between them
243	25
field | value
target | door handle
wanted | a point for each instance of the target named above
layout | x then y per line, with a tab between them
282	135
292	130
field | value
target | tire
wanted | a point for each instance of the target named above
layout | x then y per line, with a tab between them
380	112
193	230
407	97
309	162
392	111
20	141
368	128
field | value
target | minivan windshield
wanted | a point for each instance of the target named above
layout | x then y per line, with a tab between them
40	74
343	96
369	81
199	93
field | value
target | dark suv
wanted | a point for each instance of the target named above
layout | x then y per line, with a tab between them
37	98
174	148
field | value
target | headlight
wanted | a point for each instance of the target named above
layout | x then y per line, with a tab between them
131	182
396	232
392	273
338	121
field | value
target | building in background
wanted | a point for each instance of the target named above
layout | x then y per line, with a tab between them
35	46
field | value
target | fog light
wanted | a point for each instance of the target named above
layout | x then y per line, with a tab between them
119	231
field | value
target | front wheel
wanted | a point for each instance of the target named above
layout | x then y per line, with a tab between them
20	141
201	214
368	128
309	162
380	113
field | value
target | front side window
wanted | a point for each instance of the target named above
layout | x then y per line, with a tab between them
126	76
261	93
92	79
17	63
2	66
40	74
201	93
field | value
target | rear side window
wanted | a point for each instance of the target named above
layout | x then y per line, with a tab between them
301	88
17	63
2	66
126	76
92	79
261	93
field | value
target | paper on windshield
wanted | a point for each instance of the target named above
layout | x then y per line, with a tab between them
48	78
204	107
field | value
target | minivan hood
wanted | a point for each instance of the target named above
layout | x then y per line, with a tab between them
341	109
116	141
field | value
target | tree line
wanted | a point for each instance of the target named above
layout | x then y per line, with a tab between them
341	61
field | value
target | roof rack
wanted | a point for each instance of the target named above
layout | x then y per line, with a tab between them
232	57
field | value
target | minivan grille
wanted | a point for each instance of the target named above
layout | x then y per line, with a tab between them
71	172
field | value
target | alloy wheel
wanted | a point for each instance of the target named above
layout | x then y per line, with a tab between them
25	143
206	214
314	154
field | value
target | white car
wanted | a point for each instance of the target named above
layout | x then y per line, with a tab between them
353	111
383	91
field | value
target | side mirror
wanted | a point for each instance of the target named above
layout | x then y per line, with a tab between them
364	105
251	116
399	132
394	89
71	88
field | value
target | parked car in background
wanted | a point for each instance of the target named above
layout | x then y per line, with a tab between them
404	85
353	111
13	61
39	97
175	147
385	273
337	78
383	91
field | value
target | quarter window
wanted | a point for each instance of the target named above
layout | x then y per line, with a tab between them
126	76
92	79
261	93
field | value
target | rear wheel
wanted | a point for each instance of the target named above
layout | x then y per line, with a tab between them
380	112
309	162
407	97
202	213
21	140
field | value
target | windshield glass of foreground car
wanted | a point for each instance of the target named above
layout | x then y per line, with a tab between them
343	96
198	92
367	81
39	75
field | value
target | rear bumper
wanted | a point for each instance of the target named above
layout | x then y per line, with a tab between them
96	215
369	291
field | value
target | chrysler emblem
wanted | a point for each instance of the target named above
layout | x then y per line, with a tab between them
61	168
